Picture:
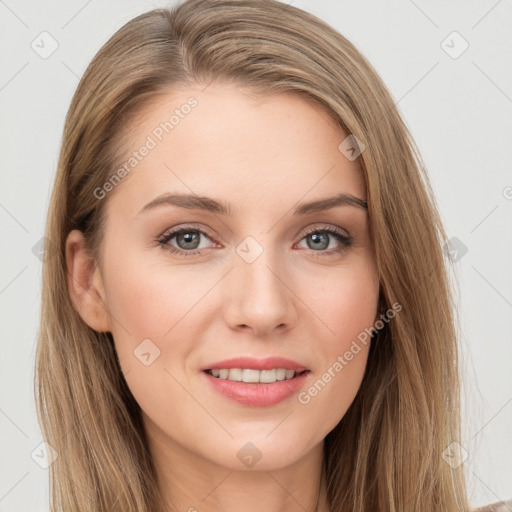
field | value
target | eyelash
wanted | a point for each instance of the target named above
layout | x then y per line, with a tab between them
346	241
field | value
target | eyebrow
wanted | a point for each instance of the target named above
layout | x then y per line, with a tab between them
194	202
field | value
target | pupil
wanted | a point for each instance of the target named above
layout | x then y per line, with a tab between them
318	242
188	237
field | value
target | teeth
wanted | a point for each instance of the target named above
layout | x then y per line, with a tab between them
281	373
268	375
253	376
289	374
235	374
247	375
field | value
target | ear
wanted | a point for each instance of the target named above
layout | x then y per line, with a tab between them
85	285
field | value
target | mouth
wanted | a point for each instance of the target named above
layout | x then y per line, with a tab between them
256	388
252	376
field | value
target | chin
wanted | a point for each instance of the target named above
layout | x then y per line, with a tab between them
260	453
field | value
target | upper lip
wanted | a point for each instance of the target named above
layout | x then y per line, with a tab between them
267	363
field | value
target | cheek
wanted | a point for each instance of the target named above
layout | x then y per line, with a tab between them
347	312
329	394
150	298
156	312
346	302
155	303
347	306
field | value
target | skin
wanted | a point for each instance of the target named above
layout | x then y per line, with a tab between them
264	156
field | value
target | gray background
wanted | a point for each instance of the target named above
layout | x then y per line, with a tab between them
458	110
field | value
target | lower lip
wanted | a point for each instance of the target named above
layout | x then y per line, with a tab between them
257	394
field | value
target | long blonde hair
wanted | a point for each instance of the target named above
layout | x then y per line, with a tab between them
386	452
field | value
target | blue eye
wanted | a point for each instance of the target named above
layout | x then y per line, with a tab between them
187	241
318	240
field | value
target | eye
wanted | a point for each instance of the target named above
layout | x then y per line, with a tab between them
185	240
319	239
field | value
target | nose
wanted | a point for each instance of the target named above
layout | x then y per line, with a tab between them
260	297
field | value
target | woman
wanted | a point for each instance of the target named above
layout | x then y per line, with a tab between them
250	306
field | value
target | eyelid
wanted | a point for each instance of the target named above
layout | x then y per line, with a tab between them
188	226
326	227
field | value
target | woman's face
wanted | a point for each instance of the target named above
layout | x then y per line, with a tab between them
251	274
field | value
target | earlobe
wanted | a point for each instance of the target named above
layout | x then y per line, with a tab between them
85	285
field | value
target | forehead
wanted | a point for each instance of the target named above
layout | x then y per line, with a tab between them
226	142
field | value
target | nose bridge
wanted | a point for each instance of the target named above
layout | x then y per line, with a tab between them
259	295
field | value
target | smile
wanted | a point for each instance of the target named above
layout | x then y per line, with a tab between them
256	393
254	376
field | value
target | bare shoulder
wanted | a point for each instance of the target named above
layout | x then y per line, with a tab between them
500	506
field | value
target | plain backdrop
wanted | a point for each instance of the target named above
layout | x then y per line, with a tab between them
448	66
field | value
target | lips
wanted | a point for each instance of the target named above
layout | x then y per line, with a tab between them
269	363
256	382
256	394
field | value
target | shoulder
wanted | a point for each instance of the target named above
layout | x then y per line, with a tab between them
500	506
